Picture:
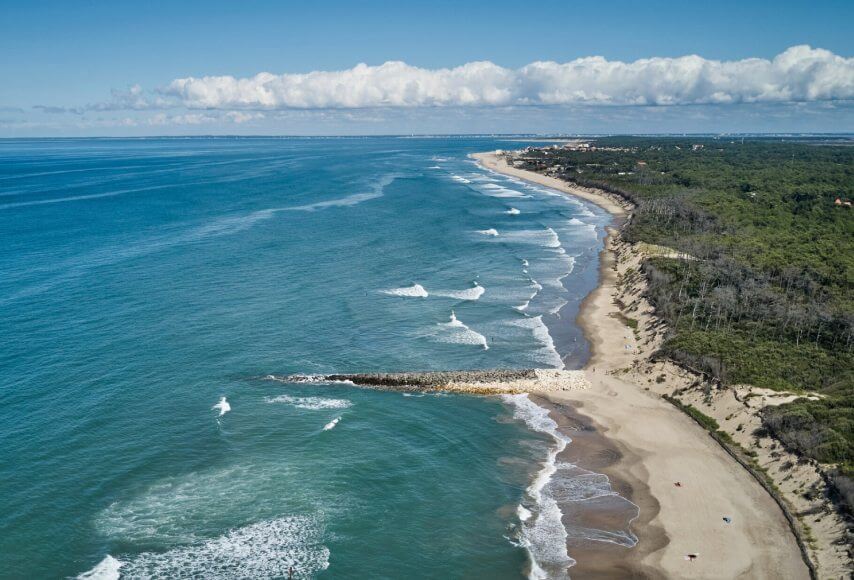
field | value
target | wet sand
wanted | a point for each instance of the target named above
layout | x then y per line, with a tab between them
634	509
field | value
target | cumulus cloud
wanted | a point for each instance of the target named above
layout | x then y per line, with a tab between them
801	73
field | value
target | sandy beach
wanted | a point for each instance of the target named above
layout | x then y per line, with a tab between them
683	481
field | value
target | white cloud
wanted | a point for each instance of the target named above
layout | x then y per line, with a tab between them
184	119
801	73
163	119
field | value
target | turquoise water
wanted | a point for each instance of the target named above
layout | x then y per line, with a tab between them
143	280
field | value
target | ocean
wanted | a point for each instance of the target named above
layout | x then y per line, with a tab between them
143	280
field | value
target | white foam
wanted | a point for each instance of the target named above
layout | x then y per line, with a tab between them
458	333
544	536
307	379
265	549
331	424
473	293
460	179
311	403
222	406
107	569
547	354
414	291
512	211
489	232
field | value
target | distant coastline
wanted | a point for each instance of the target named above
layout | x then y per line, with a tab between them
652	445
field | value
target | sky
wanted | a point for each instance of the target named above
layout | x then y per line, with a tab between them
116	68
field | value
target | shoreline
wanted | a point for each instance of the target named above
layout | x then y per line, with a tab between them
655	445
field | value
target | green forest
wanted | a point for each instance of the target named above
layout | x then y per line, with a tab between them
767	295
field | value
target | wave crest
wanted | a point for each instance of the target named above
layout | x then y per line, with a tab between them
414	291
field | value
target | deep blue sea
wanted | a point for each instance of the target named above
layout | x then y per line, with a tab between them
143	280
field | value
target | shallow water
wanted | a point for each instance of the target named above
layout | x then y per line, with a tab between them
143	280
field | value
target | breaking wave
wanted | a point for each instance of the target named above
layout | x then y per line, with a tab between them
545	238
458	333
414	291
473	293
543	533
494	190
547	353
107	569
310	403
331	425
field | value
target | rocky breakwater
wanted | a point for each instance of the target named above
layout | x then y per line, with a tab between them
487	382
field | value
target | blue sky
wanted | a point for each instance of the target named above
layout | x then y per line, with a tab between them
80	59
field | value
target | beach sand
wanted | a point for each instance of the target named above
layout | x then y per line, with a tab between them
645	445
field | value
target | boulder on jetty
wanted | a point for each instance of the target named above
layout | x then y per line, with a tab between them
487	382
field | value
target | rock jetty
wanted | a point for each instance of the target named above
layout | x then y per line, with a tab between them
485	382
